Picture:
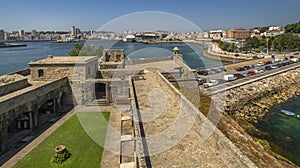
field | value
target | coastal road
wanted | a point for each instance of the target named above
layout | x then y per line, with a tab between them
243	81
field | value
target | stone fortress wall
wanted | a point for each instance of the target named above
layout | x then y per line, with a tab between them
11	83
148	60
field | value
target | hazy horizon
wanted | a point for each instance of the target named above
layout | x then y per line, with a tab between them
91	15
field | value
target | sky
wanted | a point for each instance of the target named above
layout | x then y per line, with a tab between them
99	15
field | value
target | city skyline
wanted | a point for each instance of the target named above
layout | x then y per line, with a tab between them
91	15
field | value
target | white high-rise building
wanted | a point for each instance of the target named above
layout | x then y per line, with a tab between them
73	31
21	33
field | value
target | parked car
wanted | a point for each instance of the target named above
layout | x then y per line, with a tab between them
274	66
251	72
257	71
239	69
278	65
201	81
238	76
270	62
203	72
247	67
245	74
277	60
211	83
260	64
289	62
221	69
267	68
229	77
295	59
284	64
212	71
251	66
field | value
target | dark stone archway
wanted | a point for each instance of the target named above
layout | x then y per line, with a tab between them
100	90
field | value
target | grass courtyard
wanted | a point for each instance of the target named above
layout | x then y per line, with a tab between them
83	135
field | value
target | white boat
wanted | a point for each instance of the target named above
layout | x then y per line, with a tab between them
289	113
129	38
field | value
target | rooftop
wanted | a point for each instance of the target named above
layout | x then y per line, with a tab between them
64	60
5	79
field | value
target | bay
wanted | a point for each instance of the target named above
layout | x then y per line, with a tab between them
17	58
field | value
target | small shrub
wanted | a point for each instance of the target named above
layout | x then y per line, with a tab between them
61	156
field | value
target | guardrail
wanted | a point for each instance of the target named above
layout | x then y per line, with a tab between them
256	79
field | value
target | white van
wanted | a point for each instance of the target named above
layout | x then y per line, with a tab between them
229	77
295	59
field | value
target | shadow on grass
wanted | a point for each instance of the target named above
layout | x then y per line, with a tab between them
85	151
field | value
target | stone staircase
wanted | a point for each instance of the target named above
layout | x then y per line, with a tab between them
99	102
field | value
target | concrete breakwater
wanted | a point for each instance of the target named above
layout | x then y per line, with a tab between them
251	102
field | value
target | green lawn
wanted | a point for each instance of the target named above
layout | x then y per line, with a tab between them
74	134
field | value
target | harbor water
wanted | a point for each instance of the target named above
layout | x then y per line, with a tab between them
284	130
16	58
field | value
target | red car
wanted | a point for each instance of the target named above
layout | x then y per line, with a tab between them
238	76
251	72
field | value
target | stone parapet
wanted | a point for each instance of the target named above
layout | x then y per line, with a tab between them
11	83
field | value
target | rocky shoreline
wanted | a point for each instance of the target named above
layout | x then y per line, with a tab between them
248	104
251	102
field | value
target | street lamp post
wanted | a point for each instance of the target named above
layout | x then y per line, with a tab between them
267	46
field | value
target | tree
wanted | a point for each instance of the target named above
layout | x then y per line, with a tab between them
264	29
251	43
86	50
286	42
75	51
292	28
226	46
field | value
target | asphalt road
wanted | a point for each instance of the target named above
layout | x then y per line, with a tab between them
231	84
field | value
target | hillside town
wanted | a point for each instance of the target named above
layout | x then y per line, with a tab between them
75	33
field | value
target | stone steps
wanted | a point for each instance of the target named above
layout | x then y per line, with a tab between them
99	102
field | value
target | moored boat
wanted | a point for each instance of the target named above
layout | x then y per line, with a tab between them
129	38
289	113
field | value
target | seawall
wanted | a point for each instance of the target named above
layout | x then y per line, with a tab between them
252	101
222	57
